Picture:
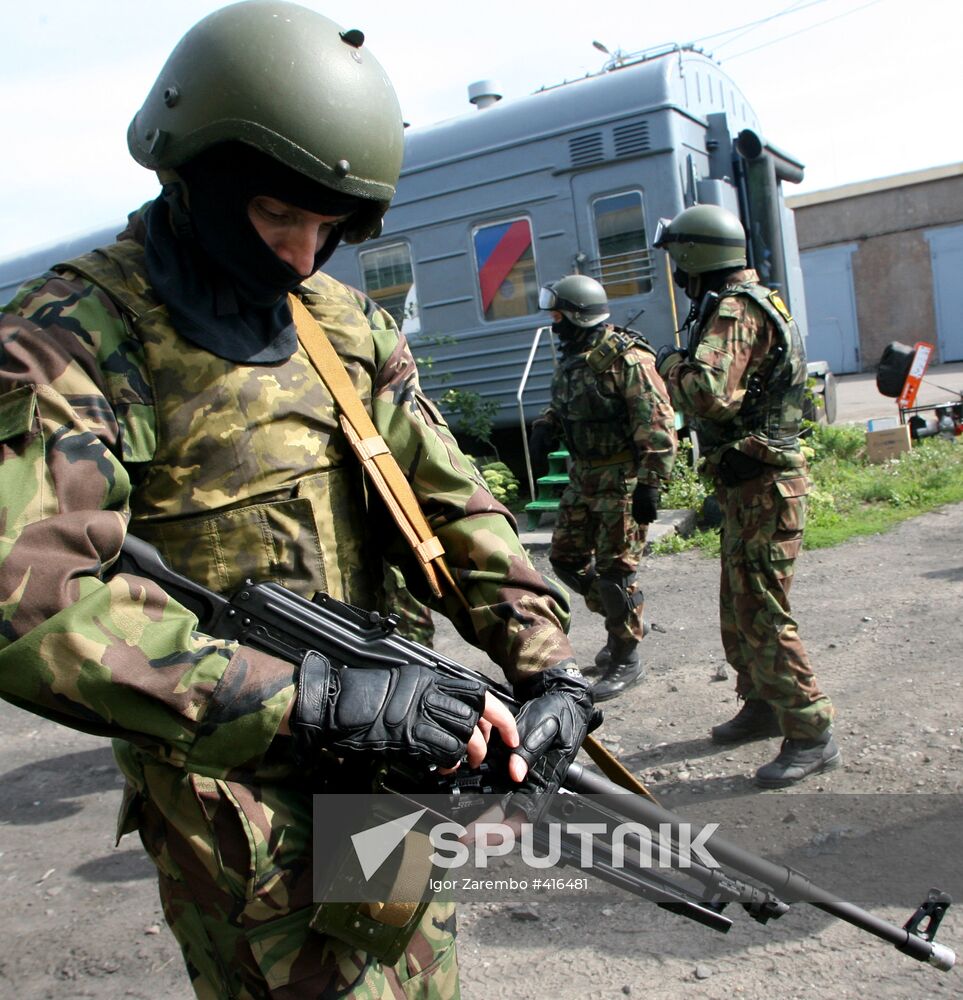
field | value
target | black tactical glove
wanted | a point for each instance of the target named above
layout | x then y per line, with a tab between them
645	503
552	724
667	358
541	442
409	709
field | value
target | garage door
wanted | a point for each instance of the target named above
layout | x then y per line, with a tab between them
946	256
833	334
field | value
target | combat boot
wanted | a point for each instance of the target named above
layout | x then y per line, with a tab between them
798	759
603	658
754	721
624	669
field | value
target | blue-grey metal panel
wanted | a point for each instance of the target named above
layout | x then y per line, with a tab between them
946	255
833	334
685	80
543	158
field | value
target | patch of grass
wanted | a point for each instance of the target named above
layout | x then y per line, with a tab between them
852	496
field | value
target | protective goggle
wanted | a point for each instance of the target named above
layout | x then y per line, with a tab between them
547	299
661	232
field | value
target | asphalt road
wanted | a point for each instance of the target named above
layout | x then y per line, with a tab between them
858	399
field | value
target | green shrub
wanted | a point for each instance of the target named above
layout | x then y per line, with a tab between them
850	495
687	488
470	415
501	481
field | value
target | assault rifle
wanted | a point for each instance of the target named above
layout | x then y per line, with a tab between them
275	620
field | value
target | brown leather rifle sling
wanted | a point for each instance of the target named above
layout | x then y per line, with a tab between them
396	491
372	451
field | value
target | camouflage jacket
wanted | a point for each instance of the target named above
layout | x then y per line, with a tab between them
611	405
108	418
743	381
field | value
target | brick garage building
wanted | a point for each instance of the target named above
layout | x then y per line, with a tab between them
883	260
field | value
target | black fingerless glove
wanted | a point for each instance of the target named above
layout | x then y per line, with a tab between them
552	724
645	503
409	709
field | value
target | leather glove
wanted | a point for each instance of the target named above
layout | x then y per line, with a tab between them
410	710
541	442
645	503
667	358
553	722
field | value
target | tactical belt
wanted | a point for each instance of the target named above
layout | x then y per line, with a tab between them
396	491
617	459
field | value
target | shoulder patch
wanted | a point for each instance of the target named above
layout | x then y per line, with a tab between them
780	306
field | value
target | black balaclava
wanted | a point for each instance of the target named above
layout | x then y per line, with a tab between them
696	285
572	337
225	289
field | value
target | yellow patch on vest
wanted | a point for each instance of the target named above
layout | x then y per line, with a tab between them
780	306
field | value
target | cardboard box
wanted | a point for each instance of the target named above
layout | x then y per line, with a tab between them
882	423
886	444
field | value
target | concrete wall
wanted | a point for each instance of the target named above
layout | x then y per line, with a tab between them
892	275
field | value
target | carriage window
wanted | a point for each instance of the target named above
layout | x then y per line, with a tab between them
387	277
506	269
624	264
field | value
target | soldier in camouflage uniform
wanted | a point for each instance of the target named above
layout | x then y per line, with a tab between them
612	410
157	386
741	383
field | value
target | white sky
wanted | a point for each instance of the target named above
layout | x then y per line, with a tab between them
856	89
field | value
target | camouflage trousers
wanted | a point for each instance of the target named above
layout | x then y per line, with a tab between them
596	539
234	871
763	522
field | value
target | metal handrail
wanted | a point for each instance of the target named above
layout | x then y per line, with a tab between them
521	391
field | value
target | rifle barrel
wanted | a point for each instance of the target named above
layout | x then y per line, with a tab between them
782	880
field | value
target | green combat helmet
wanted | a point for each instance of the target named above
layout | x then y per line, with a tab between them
292	84
579	298
703	238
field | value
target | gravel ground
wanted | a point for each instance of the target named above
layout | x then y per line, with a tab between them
880	616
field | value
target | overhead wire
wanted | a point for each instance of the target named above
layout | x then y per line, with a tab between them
795	8
800	31
743	29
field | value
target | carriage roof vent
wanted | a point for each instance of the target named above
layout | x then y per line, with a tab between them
484	93
584	149
631	139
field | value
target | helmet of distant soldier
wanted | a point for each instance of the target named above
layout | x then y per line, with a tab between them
579	298
703	238
292	84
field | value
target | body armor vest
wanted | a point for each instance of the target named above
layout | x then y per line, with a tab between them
588	399
241	471
773	405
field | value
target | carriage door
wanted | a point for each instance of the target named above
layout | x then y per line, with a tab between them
611	236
